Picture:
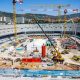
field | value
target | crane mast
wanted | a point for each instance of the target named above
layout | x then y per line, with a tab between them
59	13
65	19
14	19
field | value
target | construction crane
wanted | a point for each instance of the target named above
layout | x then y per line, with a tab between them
57	53
14	16
14	19
58	6
65	19
58	57
59	10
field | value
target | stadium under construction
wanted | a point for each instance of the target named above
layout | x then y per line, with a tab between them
39	46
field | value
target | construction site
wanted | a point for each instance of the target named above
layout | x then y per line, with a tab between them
39	46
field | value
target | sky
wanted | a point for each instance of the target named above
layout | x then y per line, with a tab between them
32	6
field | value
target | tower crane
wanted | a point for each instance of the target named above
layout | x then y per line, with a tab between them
58	6
14	16
14	19
59	10
65	19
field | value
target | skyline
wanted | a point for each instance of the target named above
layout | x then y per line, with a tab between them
6	6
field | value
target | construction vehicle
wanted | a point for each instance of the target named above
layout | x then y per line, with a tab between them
65	51
76	58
